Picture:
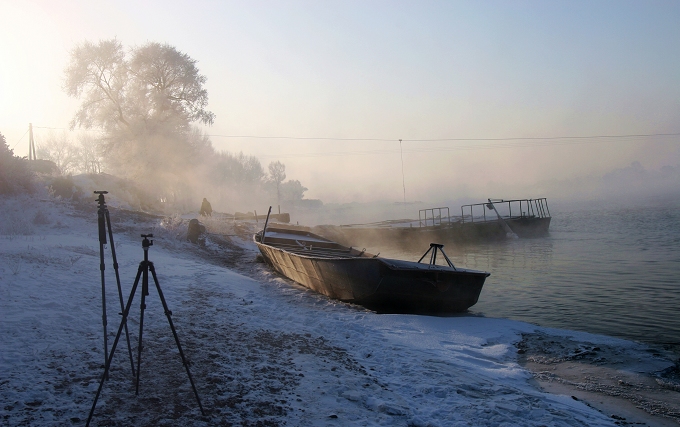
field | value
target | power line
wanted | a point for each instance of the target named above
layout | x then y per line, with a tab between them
535	138
22	137
68	129
403	181
302	138
490	144
548	138
530	138
310	138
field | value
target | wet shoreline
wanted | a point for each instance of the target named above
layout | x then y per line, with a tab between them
607	378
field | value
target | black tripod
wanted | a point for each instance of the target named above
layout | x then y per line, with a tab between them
143	272
104	221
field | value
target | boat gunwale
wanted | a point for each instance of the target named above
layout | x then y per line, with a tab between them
313	256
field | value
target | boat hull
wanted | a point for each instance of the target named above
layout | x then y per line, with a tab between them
381	284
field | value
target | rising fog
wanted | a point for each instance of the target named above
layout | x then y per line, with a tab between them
360	188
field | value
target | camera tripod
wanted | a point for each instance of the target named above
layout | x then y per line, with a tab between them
104	222
143	272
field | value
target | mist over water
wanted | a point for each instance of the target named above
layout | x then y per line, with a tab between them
605	268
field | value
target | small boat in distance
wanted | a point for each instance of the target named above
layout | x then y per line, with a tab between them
352	275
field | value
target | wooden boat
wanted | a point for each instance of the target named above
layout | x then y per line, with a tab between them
351	275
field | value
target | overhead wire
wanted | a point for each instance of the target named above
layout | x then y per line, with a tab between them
491	143
541	138
501	142
302	138
22	137
79	130
546	138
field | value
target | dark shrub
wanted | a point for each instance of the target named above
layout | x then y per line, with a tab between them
15	176
63	187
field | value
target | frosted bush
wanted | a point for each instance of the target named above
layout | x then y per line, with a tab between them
172	228
40	218
218	225
172	223
15	224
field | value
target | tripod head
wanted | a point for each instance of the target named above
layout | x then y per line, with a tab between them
100	199
146	242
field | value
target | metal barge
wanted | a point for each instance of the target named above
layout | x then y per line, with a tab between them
492	220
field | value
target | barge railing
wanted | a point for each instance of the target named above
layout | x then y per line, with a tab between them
511	209
436	217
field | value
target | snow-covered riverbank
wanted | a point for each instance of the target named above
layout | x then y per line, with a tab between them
263	351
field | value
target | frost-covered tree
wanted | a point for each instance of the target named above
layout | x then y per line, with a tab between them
144	100
152	85
98	75
292	190
87	156
168	82
59	149
277	173
82	156
237	169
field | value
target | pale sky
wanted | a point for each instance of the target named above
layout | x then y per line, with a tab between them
387	70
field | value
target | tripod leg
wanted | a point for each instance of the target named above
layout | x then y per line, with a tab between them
120	290
144	267
115	343
104	322
168	314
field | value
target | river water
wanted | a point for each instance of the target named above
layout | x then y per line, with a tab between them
605	269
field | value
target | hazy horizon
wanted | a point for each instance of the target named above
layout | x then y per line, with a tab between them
330	88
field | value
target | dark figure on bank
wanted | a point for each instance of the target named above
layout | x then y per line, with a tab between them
195	230
206	209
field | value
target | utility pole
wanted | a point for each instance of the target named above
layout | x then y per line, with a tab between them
31	143
403	182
